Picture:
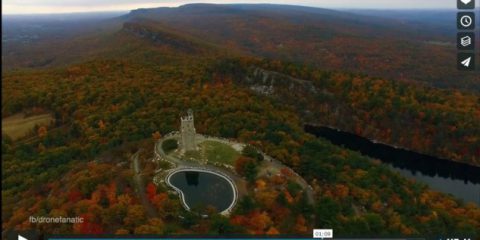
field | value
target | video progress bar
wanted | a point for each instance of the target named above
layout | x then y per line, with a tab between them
210	238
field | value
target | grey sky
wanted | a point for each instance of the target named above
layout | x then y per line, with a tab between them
63	6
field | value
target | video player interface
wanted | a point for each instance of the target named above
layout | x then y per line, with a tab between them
287	119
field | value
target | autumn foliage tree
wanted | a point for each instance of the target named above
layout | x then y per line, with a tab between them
246	167
151	191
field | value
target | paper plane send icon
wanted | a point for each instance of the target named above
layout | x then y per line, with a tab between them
20	237
465	63
466	1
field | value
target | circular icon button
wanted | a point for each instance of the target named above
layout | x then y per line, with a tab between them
466	21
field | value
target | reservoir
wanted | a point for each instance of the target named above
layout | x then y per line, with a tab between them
457	179
200	189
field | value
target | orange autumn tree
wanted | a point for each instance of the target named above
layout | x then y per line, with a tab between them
272	231
151	191
156	135
42	131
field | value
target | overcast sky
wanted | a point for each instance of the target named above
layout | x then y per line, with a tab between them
65	6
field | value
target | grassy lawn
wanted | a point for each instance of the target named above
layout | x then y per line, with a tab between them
18	125
219	152
196	155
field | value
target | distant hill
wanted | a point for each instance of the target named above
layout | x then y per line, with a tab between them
420	49
398	46
441	21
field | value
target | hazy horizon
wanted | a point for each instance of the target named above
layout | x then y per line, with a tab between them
31	7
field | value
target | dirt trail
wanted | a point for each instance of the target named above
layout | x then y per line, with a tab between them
140	187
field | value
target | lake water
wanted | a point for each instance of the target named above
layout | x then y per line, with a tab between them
460	180
202	189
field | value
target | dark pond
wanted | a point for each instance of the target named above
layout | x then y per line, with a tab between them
202	189
460	180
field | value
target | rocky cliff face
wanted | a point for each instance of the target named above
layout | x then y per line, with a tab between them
272	83
300	94
159	36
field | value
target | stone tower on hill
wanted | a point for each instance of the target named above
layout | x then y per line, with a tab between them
187	132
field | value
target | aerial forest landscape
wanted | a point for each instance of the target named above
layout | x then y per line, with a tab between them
240	119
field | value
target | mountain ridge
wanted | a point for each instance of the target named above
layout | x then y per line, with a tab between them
322	38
